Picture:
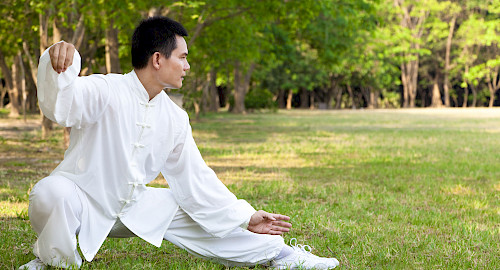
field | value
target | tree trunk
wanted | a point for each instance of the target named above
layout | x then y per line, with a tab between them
311	100
409	70
239	95
474	95
196	109
492	96
493	84
3	91
32	101
413	74
241	86
370	100
492	90
31	76
56	32
404	81
351	95
281	99
89	58
289	100
447	63
373	100
409	76
338	98
329	97
79	33
466	89
466	97
369	96
14	91
7	76
44	30
436	95
212	86
205	96
21	83
112	59
304	98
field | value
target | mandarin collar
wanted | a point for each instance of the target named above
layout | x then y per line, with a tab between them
139	89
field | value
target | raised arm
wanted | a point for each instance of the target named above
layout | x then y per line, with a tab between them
64	97
61	56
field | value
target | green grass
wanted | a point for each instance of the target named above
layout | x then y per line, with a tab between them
4	112
402	189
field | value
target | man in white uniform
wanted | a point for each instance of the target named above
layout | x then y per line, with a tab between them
125	131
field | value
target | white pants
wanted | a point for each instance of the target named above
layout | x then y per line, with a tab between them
55	211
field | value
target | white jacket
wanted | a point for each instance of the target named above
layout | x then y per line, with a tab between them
119	142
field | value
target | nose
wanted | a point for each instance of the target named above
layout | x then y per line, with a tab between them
186	66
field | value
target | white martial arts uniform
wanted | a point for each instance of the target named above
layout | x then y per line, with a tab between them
120	141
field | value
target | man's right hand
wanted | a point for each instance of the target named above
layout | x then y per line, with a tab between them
61	56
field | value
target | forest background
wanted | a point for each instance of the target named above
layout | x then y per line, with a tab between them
265	54
379	189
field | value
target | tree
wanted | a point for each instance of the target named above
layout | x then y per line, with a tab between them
480	48
412	15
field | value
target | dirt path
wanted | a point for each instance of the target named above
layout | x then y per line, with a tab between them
13	127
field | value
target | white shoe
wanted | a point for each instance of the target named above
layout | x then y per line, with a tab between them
302	258
35	264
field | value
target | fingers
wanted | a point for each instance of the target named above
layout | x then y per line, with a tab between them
281	217
269	216
60	60
275	232
280	230
61	56
282	224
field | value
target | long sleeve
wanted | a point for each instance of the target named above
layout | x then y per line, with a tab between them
67	99
200	193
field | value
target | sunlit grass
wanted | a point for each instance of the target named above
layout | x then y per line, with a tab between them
405	189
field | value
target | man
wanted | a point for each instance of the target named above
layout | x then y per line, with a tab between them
125	131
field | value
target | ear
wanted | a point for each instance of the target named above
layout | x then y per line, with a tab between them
155	58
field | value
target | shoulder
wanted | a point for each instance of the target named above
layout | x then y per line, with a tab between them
112	77
177	115
176	112
104	81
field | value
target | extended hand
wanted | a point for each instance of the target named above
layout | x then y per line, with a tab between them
268	223
61	56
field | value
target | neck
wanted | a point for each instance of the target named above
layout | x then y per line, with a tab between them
149	83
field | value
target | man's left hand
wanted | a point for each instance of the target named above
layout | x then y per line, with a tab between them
269	223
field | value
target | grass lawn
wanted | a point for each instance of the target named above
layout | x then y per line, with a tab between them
384	189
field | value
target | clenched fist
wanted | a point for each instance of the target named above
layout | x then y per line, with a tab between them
61	56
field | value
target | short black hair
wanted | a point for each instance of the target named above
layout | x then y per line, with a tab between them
155	34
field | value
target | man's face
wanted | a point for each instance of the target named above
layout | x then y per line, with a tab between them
174	68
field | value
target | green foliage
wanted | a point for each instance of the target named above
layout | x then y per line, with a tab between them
259	99
389	99
294	45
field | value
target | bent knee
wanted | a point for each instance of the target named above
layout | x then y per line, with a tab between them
50	190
